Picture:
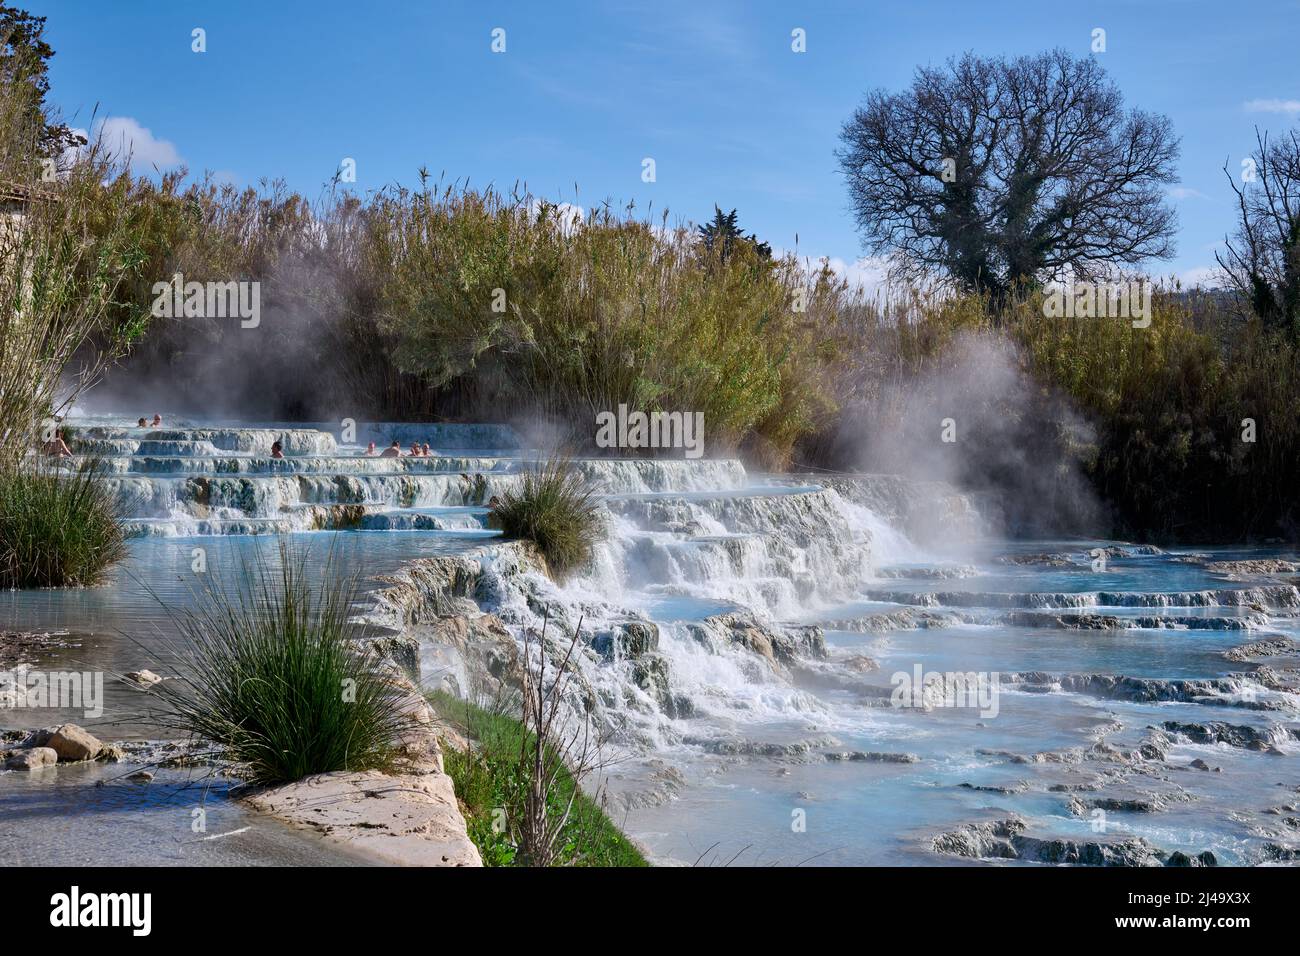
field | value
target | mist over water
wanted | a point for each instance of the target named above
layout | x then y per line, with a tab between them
303	360
974	418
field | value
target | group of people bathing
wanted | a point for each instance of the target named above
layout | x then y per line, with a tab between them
392	451
57	446
395	451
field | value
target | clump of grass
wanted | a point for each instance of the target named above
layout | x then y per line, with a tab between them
274	675
555	509
494	776
59	527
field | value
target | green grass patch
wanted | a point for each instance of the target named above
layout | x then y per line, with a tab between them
59	527
491	781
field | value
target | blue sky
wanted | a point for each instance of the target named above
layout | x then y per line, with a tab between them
585	91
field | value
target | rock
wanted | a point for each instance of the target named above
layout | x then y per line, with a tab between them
1254	566
32	758
1225	691
780	645
650	673
1007	790
1006	840
71	743
142	678
875	756
403	820
1179	858
140	776
627	641
38	738
990	840
1081	808
1234	735
1276	853
402	651
733	747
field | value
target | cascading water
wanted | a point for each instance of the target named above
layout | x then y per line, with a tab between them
742	641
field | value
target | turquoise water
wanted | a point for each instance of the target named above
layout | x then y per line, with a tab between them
748	767
805	809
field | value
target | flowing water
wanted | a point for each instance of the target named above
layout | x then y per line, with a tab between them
763	722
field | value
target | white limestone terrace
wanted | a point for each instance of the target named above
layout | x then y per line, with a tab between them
205	478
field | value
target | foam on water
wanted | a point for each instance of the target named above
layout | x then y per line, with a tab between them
734	571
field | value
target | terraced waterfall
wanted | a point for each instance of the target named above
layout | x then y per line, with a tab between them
769	659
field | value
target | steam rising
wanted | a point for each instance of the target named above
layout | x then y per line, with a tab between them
1014	441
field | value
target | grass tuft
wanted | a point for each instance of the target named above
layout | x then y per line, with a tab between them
555	509
59	527
274	674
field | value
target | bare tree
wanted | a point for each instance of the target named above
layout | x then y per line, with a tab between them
1262	259
551	748
997	174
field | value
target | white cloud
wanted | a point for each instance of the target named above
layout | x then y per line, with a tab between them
570	217
1206	277
1273	106
870	273
1186	192
125	137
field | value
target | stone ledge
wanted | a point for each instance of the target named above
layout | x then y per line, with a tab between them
407	819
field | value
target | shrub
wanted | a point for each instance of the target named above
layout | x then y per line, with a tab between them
273	673
58	527
554	509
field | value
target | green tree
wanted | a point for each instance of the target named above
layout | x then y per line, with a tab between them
1003	173
723	233
28	125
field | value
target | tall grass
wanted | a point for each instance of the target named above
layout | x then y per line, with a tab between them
567	318
459	302
65	264
450	302
59	527
1166	405
273	673
555	509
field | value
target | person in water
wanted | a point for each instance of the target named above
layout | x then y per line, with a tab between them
277	450
392	451
415	450
142	423
427	453
56	447
370	450
157	419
